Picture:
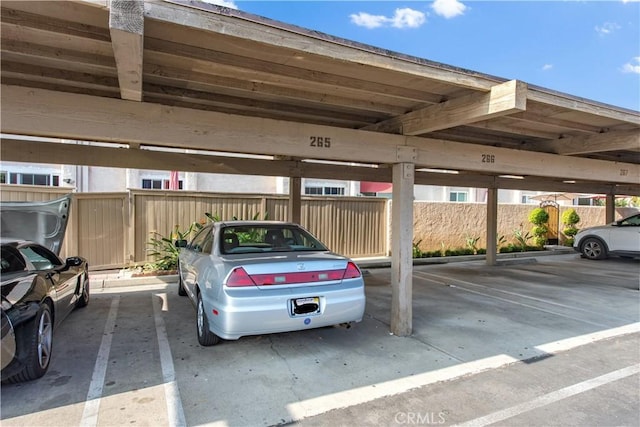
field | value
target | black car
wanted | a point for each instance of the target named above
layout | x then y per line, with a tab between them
38	288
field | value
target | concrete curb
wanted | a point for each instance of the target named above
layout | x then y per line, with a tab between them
503	259
101	281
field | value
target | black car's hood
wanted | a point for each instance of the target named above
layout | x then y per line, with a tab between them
41	222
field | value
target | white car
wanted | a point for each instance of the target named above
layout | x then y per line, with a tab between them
618	238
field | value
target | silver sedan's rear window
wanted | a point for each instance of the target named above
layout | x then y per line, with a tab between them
257	239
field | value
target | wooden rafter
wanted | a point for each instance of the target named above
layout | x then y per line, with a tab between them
126	25
503	99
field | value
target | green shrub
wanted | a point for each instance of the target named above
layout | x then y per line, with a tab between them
570	218
570	232
538	216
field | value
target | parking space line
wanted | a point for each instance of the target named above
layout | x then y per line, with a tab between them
552	397
516	294
92	403
344	399
555	313
175	411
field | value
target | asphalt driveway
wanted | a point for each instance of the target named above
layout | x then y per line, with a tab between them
132	356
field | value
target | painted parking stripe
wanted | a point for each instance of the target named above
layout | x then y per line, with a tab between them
552	397
456	285
92	404
175	411
319	405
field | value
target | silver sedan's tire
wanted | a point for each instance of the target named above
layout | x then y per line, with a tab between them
205	336
594	248
181	291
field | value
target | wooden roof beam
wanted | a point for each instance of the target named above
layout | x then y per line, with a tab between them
126	25
503	99
30	151
607	141
44	113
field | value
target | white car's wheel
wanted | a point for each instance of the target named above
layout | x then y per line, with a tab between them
594	248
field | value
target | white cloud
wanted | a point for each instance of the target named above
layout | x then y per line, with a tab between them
633	66
224	3
547	67
402	18
607	28
364	19
448	8
408	18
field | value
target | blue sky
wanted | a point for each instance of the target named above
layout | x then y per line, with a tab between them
589	49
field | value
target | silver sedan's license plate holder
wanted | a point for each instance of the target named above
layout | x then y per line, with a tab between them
296	305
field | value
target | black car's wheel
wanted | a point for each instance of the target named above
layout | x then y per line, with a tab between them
181	291
37	337
84	291
594	248
205	336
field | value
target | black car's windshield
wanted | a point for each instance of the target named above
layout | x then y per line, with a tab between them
267	238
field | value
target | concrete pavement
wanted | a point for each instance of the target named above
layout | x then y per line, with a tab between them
488	343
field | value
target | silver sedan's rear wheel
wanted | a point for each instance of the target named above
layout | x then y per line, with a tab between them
205	336
593	248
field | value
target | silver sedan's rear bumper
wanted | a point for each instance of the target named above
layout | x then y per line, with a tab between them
253	311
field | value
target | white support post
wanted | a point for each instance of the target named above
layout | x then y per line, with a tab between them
402	249
492	225
295	199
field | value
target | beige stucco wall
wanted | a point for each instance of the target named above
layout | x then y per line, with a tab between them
448	224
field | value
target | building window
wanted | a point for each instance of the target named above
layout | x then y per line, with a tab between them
29	179
457	196
327	191
158	184
334	191
317	191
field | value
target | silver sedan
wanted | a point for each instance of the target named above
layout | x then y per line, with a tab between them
259	277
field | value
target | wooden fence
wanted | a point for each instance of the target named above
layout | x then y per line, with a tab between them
111	230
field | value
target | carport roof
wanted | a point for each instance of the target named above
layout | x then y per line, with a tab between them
199	56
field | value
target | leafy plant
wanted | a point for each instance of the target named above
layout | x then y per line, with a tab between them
164	250
417	253
522	239
472	243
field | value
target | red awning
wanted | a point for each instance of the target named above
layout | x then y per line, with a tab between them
375	187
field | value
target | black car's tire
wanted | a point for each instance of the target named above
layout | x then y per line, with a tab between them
181	291
85	295
593	248
205	336
37	338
